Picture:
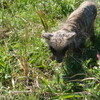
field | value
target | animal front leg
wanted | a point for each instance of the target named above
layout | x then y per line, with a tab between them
92	35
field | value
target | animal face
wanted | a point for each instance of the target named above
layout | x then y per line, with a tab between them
59	54
59	42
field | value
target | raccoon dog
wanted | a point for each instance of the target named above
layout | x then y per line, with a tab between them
78	26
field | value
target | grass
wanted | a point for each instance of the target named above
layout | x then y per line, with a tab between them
26	70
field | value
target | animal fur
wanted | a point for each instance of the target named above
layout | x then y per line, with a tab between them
78	26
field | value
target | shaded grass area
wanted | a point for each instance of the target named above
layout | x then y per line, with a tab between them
26	70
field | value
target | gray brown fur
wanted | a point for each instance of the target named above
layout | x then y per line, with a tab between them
78	26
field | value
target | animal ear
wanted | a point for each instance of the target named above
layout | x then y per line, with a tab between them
47	35
70	35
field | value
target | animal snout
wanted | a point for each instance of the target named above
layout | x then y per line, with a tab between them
59	59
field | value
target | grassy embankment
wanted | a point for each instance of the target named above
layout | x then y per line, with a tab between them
26	70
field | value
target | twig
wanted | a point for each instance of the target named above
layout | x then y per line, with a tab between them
17	92
77	75
90	78
75	60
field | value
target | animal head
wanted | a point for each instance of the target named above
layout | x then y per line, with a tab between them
59	42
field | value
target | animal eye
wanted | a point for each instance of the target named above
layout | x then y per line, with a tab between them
65	49
53	50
